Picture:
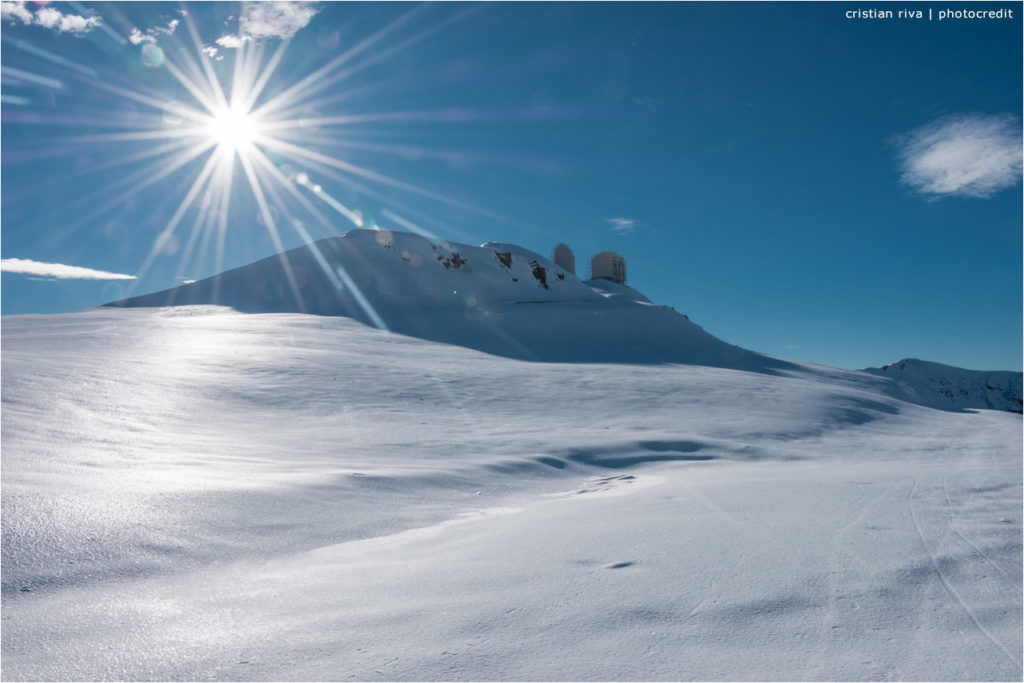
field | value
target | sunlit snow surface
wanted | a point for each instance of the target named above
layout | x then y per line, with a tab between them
194	493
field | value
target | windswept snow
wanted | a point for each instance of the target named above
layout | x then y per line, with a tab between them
196	493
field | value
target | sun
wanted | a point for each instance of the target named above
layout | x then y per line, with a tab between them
230	132
232	129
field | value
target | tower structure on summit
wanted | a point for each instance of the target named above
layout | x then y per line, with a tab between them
608	265
564	258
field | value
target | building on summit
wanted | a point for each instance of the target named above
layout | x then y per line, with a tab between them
604	266
564	258
608	266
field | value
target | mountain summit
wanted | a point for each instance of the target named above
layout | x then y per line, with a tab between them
498	298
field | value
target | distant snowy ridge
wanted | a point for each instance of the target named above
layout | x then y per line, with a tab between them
498	298
945	386
509	301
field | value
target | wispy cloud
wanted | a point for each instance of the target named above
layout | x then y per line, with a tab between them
15	100
167	30
275	19
58	270
623	226
150	35
974	156
19	75
48	17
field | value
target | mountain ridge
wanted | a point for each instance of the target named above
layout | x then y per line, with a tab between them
945	386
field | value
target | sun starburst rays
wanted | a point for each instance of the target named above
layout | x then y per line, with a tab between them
220	123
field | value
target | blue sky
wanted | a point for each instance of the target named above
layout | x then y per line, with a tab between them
843	191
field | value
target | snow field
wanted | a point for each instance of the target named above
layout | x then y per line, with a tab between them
198	494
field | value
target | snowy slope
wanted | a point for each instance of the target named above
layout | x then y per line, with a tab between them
194	493
498	298
945	386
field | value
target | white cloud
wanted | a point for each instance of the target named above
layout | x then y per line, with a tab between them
230	41
58	270
267	20
15	10
275	19
212	52
974	156
48	17
623	225
137	36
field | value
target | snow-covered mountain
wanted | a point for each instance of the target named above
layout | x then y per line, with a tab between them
508	301
498	298
945	386
194	493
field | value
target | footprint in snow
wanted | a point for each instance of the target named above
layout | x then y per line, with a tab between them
605	483
616	485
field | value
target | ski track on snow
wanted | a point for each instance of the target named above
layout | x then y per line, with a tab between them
946	583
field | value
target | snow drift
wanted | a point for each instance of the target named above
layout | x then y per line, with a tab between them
498	298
